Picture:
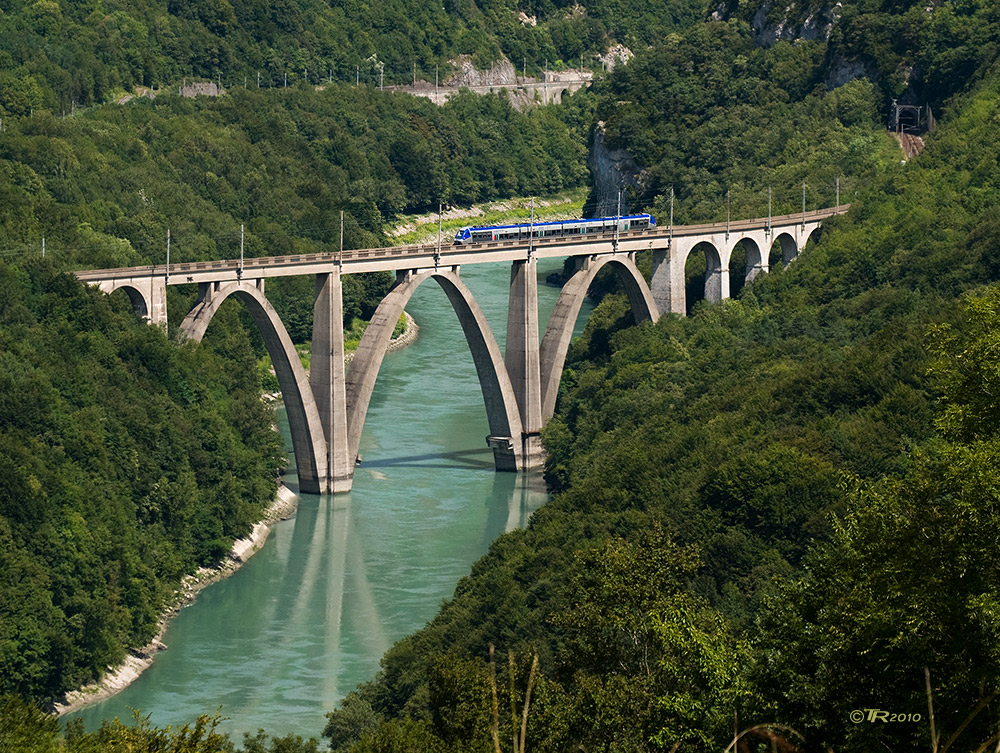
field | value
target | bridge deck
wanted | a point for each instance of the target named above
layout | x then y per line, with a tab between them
430	255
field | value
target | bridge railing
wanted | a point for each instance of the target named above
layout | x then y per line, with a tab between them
432	249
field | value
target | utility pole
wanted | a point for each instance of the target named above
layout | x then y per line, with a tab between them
838	193
437	256
768	210
258	79
168	255
286	79
241	252
670	240
436	85
531	229
340	260
357	76
727	213
43	246
803	203
618	216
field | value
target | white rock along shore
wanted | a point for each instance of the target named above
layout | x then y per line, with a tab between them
284	506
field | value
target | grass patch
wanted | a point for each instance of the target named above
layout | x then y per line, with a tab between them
423	228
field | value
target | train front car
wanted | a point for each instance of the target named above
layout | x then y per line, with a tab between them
597	225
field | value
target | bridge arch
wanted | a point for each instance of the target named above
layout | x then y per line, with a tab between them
147	295
716	279
756	262
308	439
789	248
140	307
498	394
559	331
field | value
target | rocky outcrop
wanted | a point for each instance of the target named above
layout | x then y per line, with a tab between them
770	28
617	55
499	74
788	23
841	71
611	170
202	89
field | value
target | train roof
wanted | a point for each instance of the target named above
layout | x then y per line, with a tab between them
555	222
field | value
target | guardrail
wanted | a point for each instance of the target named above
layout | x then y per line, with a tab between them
660	232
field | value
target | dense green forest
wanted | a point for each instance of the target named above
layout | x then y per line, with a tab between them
780	510
60	54
773	513
103	188
124	462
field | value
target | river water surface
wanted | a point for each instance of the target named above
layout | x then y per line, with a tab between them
278	643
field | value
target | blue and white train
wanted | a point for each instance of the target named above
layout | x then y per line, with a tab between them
596	226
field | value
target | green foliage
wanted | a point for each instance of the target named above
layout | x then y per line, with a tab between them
27	729
125	462
968	370
104	188
822	452
58	56
907	584
710	114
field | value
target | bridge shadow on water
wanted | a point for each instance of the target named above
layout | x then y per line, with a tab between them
478	459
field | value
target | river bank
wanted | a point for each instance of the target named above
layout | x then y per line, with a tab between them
138	660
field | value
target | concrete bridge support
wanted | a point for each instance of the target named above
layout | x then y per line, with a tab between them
308	440
668	263
148	296
756	256
498	394
559	331
521	356
328	380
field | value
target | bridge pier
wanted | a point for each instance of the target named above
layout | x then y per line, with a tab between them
521	356
327	408
667	285
328	381
308	441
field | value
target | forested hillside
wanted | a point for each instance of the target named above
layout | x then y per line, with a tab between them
59	55
104	187
780	510
124	462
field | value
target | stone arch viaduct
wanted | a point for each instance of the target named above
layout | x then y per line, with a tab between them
327	407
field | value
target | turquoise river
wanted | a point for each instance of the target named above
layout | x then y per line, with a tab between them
280	642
